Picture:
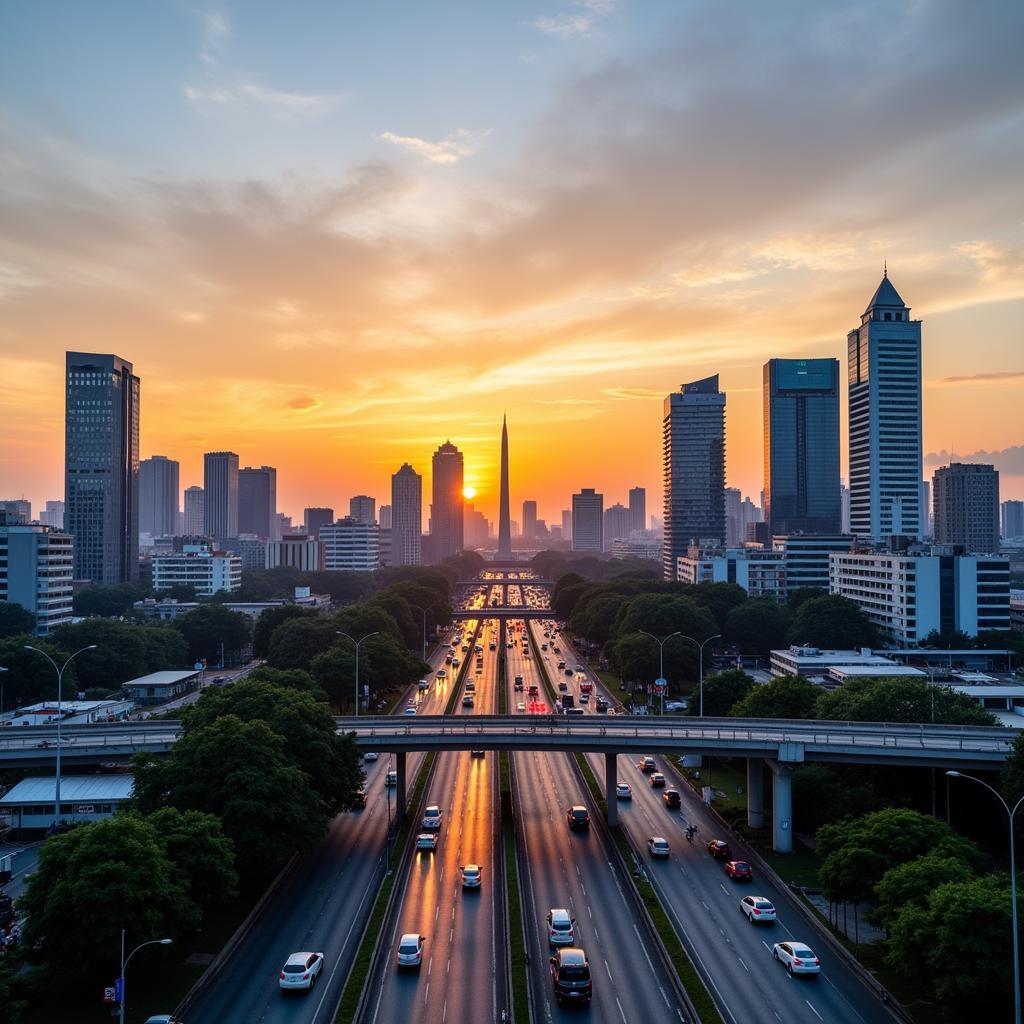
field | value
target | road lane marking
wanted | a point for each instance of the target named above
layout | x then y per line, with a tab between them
814	1011
609	970
743	965
426	995
619	1005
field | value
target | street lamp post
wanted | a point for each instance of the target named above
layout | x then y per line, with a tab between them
717	636
60	688
424	610
661	657
1013	885
124	965
357	643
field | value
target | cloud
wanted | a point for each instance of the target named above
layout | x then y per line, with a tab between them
1008	375
1006	460
573	24
215	30
461	143
279	101
303	403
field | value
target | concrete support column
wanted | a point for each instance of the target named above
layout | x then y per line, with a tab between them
782	808
400	797
755	792
611	780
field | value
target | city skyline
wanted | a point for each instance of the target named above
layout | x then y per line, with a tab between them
293	218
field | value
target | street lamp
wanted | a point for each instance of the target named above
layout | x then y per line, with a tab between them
717	636
424	610
357	643
1013	885
60	687
124	965
661	658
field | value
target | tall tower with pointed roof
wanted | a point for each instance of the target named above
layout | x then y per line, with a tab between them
504	522
884	364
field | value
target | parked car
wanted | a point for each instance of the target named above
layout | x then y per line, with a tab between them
570	975
578	817
739	870
758	909
623	791
671	798
300	971
410	950
658	846
798	958
720	849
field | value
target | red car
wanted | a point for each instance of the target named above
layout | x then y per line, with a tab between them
739	870
720	849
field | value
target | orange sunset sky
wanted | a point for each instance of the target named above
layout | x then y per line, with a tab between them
329	239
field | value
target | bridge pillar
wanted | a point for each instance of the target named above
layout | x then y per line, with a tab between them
782	807
400	798
611	780
755	792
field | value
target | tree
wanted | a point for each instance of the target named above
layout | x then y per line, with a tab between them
564	600
720	599
1012	777
825	793
108	601
212	628
296	642
15	620
783	697
287	679
14	1008
912	883
832	622
343	587
409	627
466	565
95	880
30	678
722	691
383	664
201	854
900	700
662	614
594	619
799	595
950	640
758	626
270	619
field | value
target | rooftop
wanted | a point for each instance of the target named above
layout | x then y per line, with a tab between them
162	678
73	789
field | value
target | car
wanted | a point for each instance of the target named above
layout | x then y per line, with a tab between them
578	817
424	684
410	950
432	817
441	674
720	849
798	958
561	664
470	686
358	801
456	663
739	870
472	875
520	708
658	846
163	1018
601	704
584	698
570	975
670	797
477	753
427	841
560	927
623	791
391	779
371	755
758	909
300	971
467	700
569	672
409	711
646	764
563	685
676	705
657	780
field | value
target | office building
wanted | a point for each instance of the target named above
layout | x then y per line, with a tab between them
53	515
158	496
36	570
650	550
477	527
885	419
801	446
588	521
637	508
566	524
101	467
616	524
384	520
406	516
299	551
284	525
909	594
200	566
220	494
446	526
314	518
363	509
693	453
844	508
257	502
1013	520
352	546
806	557
735	529
966	507
252	550
19	509
759	573
529	519
194	519
927	519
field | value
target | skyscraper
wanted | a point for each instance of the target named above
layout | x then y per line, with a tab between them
801	446
1013	519
363	509
446	524
530	519
220	490
195	514
637	508
101	466
735	528
504	519
885	419
966	503
588	520
693	453
257	501
314	518
616	524
384	517
406	516
566	524
158	496
19	508
53	515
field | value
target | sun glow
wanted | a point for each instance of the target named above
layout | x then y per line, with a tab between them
469	492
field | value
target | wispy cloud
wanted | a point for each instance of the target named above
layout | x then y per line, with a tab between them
280	101
578	22
461	143
1008	375
216	29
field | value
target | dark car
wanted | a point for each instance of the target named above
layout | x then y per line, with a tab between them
578	817
671	798
570	975
359	800
601	704
739	870
720	849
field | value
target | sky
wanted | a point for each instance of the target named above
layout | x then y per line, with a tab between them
331	236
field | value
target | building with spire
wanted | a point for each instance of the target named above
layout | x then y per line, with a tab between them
504	520
884	375
446	521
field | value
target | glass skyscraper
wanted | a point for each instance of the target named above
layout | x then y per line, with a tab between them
801	446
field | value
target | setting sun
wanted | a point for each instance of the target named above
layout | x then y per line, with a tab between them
469	492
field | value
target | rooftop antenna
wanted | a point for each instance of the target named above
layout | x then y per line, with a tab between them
885	268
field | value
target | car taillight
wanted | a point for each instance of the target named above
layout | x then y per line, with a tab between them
817	962
305	977
282	975
757	913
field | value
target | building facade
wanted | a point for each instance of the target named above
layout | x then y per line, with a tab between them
650	550
158	496
807	557
314	518
638	508
406	516
616	524
1013	520
257	501
53	515
194	518
101	466
588	521
198	565
363	509
529	519
37	571
759	573
966	507
220	494
18	509
349	545
566	524
384	517
446	522
299	551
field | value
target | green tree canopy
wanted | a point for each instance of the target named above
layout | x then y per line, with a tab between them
722	691
10	992
384	664
900	700
662	614
297	641
564	599
211	625
799	595
270	619
30	678
825	793
595	619
15	620
106	601
912	883
288	679
758	626
783	697
1012	778
720	599
832	622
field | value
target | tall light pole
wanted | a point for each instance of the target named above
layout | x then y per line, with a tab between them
717	636
424	610
357	643
661	657
124	965
1013	886
60	688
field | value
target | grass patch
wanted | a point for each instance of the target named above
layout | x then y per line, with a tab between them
516	935
613	684
460	676
502	686
591	780
545	679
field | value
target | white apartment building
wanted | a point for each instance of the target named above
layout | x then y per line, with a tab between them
37	570
349	545
649	549
299	551
760	573
197	565
816	663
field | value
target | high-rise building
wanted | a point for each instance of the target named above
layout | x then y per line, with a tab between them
749	514
349	545
19	508
314	518
693	453
1013	520
566	524
801	446
53	515
220	494
927	520
806	557
844	508
504	512
529	519
195	512
299	551
966	503
588	520
284	525
406	516
158	496
198	566
616	524
257	501
446	526
38	570
363	509
637	508
735	529
478	528
384	517
885	419
101	467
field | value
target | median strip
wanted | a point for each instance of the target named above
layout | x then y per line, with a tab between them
516	933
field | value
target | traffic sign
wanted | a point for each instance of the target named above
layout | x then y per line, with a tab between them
660	685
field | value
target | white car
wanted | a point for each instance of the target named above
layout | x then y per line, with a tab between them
427	841
658	846
623	791
371	755
676	705
409	711
560	927
391	779
758	909
432	817
410	950
798	958
301	970
520	708
472	875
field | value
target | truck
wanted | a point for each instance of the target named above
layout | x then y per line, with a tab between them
568	700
